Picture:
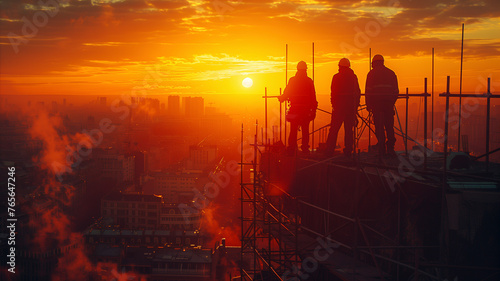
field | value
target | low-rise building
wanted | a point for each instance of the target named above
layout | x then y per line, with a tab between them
174	186
134	211
201	156
171	217
146	211
150	237
156	263
115	165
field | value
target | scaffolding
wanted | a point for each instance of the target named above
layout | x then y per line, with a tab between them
275	245
264	226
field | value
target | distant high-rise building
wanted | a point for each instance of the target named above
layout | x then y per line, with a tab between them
193	106
153	103
102	100
174	105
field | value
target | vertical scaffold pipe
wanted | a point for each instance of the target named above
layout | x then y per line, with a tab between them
460	98
443	237
266	129
312	145
425	123
406	123
254	201
281	114
286	83
369	116
241	205
488	106
432	102
447	113
286	64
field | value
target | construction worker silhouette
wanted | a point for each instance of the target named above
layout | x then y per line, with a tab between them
381	94
345	95
303	104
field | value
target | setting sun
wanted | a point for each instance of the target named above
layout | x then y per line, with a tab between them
247	82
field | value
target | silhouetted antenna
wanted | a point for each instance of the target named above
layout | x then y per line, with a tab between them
460	98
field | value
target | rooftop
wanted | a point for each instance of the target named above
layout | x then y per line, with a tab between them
133	197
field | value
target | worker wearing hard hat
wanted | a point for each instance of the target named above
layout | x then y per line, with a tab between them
345	95
302	96
381	94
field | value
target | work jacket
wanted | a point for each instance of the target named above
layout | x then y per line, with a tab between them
381	88
301	93
345	92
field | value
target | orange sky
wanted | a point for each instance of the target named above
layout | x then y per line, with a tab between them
207	47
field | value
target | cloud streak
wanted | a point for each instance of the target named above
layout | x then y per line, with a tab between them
203	42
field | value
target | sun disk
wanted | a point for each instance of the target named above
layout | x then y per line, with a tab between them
247	82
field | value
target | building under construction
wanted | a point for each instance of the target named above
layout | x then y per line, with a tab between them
424	215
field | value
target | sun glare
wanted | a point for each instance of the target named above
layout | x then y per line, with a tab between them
247	82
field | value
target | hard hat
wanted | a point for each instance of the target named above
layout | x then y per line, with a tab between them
344	62
378	58
301	65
